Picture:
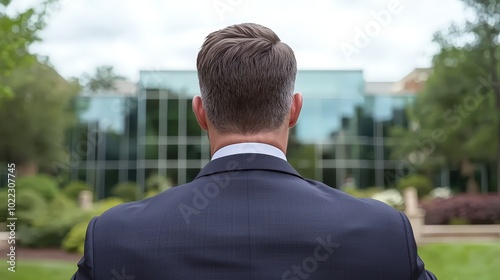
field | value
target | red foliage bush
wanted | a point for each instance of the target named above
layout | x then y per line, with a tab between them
474	208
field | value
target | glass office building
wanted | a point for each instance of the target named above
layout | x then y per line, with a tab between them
341	137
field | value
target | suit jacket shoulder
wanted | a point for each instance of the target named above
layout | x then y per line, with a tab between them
252	217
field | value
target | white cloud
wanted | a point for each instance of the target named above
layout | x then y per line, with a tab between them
159	34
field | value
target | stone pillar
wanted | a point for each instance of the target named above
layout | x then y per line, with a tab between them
415	214
85	200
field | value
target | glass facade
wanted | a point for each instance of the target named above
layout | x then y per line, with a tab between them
341	136
103	146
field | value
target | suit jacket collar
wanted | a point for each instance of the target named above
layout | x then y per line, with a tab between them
247	162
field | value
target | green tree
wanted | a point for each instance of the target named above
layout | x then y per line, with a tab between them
17	33
35	119
456	117
103	79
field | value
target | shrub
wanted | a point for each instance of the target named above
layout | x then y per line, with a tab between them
104	205
421	183
42	224
49	230
75	238
73	189
31	208
442	192
44	185
3	206
391	197
126	191
59	204
158	183
458	221
363	193
466	208
151	193
52	231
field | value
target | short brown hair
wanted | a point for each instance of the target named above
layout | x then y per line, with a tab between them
247	78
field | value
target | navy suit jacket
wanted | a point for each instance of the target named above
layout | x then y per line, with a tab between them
251	216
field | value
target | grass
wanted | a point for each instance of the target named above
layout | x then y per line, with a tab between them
462	261
447	261
29	270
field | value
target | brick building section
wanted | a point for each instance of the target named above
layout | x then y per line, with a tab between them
415	81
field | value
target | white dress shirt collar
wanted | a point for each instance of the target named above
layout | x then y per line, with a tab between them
249	148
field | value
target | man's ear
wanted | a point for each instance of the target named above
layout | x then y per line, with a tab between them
199	112
295	109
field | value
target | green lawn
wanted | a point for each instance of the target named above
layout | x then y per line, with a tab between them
462	261
41	270
447	261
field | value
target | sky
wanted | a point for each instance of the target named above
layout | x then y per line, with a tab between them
387	39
